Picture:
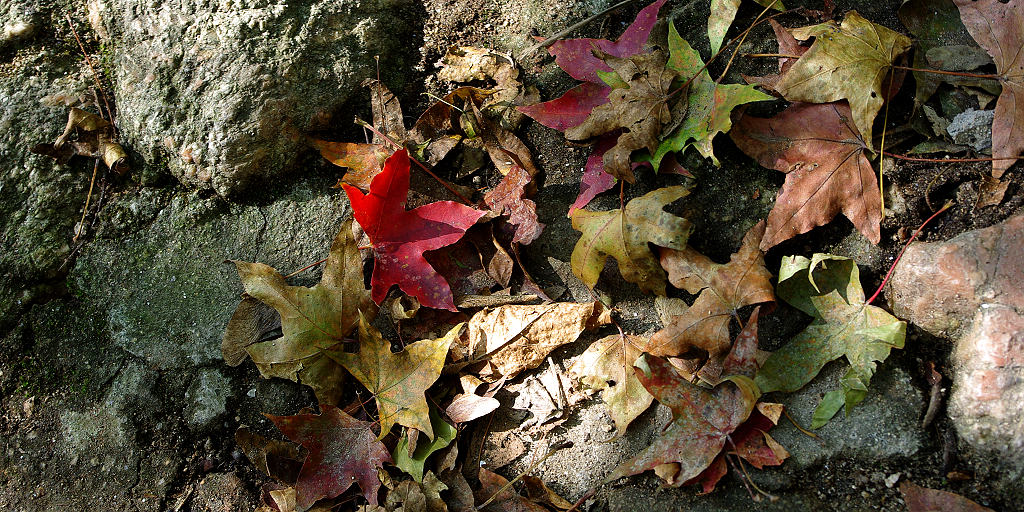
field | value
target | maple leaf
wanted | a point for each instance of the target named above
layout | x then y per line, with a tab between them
999	28
595	179
723	289
703	419
398	381
707	104
639	108
364	161
508	198
312	319
848	61
608	365
828	288
415	462
822	154
342	451
624	234
922	499
399	237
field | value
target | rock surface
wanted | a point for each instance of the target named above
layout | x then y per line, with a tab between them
969	288
222	90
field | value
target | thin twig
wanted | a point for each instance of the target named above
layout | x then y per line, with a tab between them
953	73
311	265
95	75
743	37
85	209
949	160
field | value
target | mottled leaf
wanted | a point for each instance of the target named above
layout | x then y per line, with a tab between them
312	319
608	365
398	381
828	288
399	237
508	198
822	153
848	61
342	451
364	161
624	234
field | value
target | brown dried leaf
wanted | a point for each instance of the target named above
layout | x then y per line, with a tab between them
250	322
921	499
94	138
608	365
508	197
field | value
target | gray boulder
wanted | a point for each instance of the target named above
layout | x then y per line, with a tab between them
223	91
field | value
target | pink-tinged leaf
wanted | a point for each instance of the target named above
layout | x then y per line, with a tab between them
595	179
999	28
922	499
399	237
575	55
571	109
507	198
342	451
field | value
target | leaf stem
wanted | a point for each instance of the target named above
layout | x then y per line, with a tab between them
904	249
311	265
443	183
85	209
953	73
949	160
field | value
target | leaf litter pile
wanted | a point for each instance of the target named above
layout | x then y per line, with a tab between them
444	273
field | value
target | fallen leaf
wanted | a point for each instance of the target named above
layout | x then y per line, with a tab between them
639	110
608	365
364	161
400	237
508	198
538	492
467	64
398	381
827	171
312	319
991	192
342	451
722	289
249	324
848	61
723	12
828	288
921	499
999	28
504	501
788	45
277	459
89	135
702	419
570	109
414	463
595	179
516	338
624	234
707	104
468	407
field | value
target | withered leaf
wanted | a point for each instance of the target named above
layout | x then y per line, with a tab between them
608	365
93	137
508	198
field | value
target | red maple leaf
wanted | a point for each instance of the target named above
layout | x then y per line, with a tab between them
342	451
399	236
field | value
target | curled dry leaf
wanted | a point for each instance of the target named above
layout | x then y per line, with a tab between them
608	365
467	64
505	499
93	137
313	320
517	338
848	61
624	234
722	289
827	172
249	324
277	459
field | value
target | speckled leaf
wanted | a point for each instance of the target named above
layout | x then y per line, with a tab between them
822	153
624	234
399	237
848	61
999	28
709	105
722	289
415	463
312	319
828	288
608	365
342	451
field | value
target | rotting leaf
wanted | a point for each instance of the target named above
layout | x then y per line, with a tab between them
399	236
466	64
249	324
624	234
828	288
89	135
312	319
848	61
608	365
722	289
277	459
999	28
415	463
822	153
398	381
342	451
516	338
508	198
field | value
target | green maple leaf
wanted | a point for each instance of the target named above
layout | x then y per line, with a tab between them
414	463
624	234
398	381
828	288
313	320
708	104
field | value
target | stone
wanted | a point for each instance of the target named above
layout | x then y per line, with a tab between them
969	289
218	492
222	91
207	398
973	128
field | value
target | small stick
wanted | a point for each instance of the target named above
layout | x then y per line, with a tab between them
95	75
85	209
311	265
806	432
551	451
953	73
943	160
743	37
